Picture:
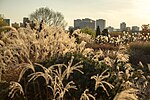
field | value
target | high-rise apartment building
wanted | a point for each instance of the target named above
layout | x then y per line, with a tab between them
128	29
123	26
77	23
88	23
135	29
101	23
7	21
82	23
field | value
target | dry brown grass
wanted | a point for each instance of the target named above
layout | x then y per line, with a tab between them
23	48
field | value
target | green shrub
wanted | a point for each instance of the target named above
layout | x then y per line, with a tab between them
84	81
88	31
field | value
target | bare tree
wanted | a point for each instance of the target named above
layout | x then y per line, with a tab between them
49	16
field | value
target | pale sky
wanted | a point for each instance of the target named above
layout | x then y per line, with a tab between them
133	12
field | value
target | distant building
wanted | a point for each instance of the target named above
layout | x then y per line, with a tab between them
25	21
110	29
128	29
77	23
7	21
82	23
123	26
88	23
101	23
135	29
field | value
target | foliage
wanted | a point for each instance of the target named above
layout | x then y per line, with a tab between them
26	45
52	65
80	36
49	16
122	39
15	25
115	34
4	90
98	31
85	81
142	46
86	95
139	51
88	31
105	32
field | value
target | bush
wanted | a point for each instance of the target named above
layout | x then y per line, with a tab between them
139	51
84	81
88	31
115	34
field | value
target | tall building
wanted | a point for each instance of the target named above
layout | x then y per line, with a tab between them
128	29
7	21
101	23
88	23
82	23
123	26
77	23
135	29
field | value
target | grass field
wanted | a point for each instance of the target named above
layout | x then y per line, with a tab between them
52	64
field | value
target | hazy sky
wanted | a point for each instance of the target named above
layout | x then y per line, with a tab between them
133	12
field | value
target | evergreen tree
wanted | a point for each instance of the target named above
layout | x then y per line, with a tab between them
98	32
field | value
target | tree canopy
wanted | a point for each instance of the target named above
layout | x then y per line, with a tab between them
88	31
49	16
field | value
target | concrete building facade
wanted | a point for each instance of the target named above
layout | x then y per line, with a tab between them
101	23
82	23
7	21
123	26
77	23
135	29
110	29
